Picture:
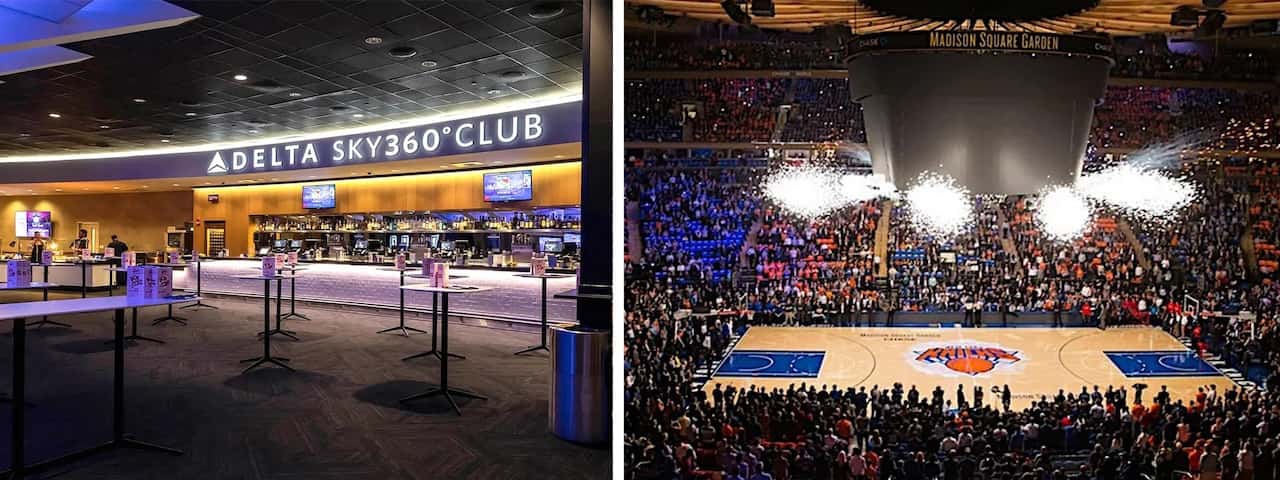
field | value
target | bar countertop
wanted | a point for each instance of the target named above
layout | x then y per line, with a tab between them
508	295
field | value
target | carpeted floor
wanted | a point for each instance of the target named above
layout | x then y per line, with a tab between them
336	417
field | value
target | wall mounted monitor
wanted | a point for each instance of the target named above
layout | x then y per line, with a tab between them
29	223
319	196
508	186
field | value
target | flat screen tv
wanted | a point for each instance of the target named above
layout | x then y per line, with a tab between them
508	186
572	238
319	196
29	223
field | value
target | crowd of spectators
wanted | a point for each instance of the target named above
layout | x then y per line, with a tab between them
1181	66
822	112
804	269
737	110
652	110
1136	116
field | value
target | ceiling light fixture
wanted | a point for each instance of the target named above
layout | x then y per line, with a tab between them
139	100
358	115
295	94
494	91
373	40
104	126
164	140
190	114
54	115
240	77
430	63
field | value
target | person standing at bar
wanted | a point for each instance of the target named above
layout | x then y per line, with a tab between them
82	241
117	246
37	248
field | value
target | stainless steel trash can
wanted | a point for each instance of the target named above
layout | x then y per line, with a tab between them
580	383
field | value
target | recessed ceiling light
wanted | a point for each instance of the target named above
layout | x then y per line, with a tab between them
430	63
144	186
54	115
164	140
559	156
395	171
358	115
190	114
24	134
295	94
115	188
177	185
255	131
139	100
373	40
57	189
494	91
241	77
104	126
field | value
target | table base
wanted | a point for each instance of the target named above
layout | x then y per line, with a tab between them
260	361
295	315
41	323
533	349
133	335
169	317
403	330
432	353
127	442
198	305
447	393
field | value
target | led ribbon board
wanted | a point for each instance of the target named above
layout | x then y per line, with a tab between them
533	127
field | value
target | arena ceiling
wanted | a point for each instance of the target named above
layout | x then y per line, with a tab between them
1114	17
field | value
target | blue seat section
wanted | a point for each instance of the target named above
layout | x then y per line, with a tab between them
772	364
1162	364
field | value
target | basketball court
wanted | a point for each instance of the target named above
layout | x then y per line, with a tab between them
1032	361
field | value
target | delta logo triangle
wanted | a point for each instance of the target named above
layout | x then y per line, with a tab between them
217	166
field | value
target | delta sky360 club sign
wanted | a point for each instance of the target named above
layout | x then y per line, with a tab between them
532	127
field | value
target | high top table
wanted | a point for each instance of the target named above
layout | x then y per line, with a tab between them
84	274
4	397
18	313
266	324
170	315
44	287
133	335
198	303
544	277
402	328
293	292
435	323
444	389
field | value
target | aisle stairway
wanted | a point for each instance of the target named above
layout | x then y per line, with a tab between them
746	276
784	112
882	237
635	247
1246	242
1006	241
1123	227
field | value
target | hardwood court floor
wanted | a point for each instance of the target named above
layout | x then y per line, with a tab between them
337	417
1032	361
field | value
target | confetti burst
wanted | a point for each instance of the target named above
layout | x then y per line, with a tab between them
937	205
1064	213
1138	190
808	191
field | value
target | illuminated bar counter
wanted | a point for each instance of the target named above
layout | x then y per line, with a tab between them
511	297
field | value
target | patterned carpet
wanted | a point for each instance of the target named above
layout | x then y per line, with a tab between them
336	417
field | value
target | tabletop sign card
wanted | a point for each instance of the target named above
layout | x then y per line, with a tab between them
440	278
18	273
175	257
128	259
281	260
86	255
46	257
400	261
135	281
293	258
538	265
428	267
159	282
269	266
108	252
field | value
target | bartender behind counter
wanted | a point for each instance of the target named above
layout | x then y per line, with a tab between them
82	241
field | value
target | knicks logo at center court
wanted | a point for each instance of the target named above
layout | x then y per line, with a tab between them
963	359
